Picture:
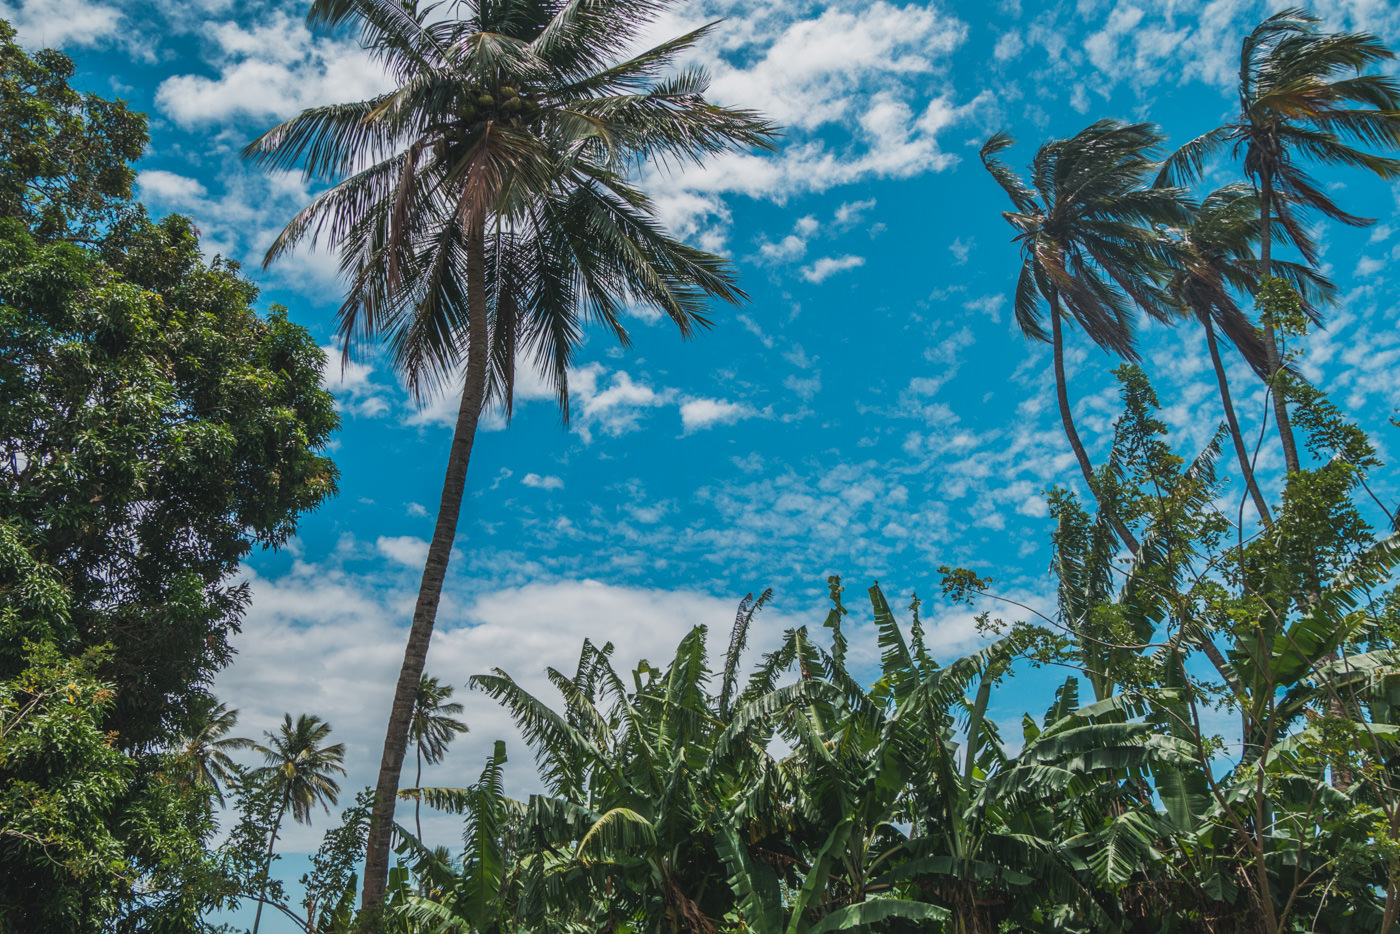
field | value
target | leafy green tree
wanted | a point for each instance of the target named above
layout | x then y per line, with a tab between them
153	428
91	838
1089	250
65	161
1303	96
434	726
298	775
482	214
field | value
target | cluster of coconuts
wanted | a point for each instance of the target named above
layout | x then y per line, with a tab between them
503	105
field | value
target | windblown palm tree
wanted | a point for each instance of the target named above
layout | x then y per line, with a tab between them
1302	96
1089	249
482	212
434	725
202	753
300	767
1212	261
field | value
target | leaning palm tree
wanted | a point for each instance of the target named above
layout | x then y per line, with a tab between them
299	767
202	753
433	727
482	212
1212	261
1302	96
1089	250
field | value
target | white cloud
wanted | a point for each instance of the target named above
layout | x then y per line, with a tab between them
271	70
58	24
851	212
611	404
960	249
816	73
989	305
353	383
169	187
405	549
828	266
698	414
785	250
542	483
1008	46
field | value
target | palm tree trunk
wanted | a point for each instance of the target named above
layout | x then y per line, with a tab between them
267	863
1062	394
434	572
1271	354
1241	451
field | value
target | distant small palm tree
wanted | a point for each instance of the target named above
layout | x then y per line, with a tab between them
1089	249
431	730
1212	260
202	753
299	766
1302	95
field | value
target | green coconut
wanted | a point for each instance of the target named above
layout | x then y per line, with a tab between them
486	101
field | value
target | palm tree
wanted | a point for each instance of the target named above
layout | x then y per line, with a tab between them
432	728
1212	260
1088	249
1302	94
202	753
482	212
300	767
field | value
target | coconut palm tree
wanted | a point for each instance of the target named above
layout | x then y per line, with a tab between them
432	728
300	767
1212	261
202	753
1302	96
1089	250
482	212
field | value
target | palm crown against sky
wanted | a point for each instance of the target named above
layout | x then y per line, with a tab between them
482	214
874	411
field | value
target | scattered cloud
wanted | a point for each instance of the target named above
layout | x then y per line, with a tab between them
59	24
270	70
404	549
542	483
828	266
699	414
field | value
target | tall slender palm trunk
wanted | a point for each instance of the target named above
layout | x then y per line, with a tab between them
1067	419
1241	451
1271	355
434	572
267	862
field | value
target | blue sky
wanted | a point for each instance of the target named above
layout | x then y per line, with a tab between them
872	411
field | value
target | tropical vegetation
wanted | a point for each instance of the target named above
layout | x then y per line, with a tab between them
1218	747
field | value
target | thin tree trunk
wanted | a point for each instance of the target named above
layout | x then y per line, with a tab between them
1062	394
1271	354
430	590
267	863
1241	451
418	802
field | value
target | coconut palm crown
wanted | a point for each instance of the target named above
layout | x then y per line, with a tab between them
1212	261
1303	98
483	212
1090	249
